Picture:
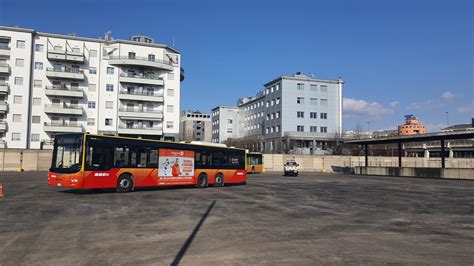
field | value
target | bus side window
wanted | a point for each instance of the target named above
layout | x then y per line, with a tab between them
121	156
153	158
203	159
219	159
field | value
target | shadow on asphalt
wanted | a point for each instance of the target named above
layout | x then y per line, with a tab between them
140	189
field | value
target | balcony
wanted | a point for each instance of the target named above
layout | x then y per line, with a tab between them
3	126
4	88
141	79
66	56
4	68
64	91
4	50
141	62
63	109
3	107
181	76
141	95
140	130
63	127
65	73
140	114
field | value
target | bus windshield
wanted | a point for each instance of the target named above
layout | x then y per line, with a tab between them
67	154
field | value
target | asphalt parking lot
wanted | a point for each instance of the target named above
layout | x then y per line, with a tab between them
313	218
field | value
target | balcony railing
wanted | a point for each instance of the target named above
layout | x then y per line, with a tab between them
62	88
66	70
138	58
63	124
4	47
64	106
142	93
140	110
141	127
140	76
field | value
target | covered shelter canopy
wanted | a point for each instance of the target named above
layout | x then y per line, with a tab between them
441	137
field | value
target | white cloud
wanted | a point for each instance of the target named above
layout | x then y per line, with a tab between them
354	108
466	109
447	96
417	106
394	104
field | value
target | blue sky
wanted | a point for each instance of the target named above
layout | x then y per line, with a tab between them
397	57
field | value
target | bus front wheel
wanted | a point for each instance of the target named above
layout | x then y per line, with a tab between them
219	180
124	183
202	181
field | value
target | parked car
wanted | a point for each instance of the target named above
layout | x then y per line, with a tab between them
291	168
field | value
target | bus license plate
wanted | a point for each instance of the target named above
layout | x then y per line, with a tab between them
59	185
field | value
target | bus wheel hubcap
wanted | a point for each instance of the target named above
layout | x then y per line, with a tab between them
124	183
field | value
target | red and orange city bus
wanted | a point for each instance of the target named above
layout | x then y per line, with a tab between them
96	161
254	162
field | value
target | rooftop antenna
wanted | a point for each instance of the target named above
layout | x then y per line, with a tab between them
173	41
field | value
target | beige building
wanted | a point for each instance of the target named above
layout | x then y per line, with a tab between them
195	126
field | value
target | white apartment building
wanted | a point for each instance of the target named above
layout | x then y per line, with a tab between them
52	84
225	123
292	114
195	126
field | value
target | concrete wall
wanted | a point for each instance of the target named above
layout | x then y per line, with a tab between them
28	160
452	173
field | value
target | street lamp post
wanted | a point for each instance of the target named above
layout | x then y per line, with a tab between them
447	119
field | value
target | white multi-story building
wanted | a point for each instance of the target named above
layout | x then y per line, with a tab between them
52	84
195	126
225	123
298	113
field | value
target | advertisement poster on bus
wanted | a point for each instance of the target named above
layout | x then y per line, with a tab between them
176	166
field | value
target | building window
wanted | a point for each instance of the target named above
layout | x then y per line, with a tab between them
91	121
268	116
19	62
229	130
131	55
278	87
324	88
92	70
313	101
17	99
278	100
170	92
300	86
18	81
324	102
299	100
170	108
92	87
108	121
277	129
36	101
109	87
267	130
109	105
169	124
313	87
17	118
91	105
324	115
273	102
20	44
110	70
93	53
37	83
229	121
313	115
300	114
313	129
300	128
39	65
35	137
36	119
277	114
16	136
171	76
324	129
151	57
39	47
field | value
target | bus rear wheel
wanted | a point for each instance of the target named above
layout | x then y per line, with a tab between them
219	180
202	181
124	183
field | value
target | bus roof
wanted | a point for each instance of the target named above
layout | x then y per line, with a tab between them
160	141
